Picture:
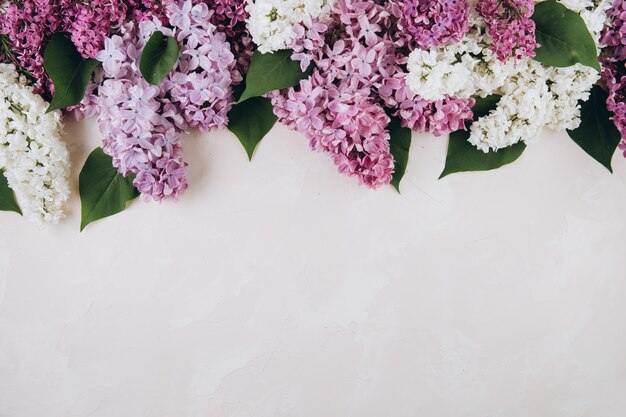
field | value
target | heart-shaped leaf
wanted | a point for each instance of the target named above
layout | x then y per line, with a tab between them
70	73
103	190
563	37
7	197
158	58
250	121
400	143
464	157
597	135
269	72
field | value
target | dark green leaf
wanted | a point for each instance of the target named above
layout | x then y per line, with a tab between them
400	142
484	106
464	157
238	90
158	58
69	72
7	197
597	134
269	72
563	37
103	190
250	121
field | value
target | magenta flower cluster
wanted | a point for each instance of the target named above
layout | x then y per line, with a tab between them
613	62
358	82
28	25
510	27
229	17
435	22
342	121
142	124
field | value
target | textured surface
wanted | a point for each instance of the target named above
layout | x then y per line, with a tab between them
280	288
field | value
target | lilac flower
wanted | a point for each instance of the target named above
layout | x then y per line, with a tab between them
614	61
112	56
510	26
180	14
363	59
29	24
435	22
614	35
368	31
142	124
229	17
359	59
355	136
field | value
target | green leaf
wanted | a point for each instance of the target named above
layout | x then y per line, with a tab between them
158	58
238	90
400	141
69	72
465	157
486	105
563	37
103	190
269	72
597	135
7	197
250	121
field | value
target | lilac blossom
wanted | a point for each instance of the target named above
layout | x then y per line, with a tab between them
359	57
614	64
28	25
142	124
435	22
229	17
510	27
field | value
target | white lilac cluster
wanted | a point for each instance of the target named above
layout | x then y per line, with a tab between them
34	159
271	22
464	69
538	96
534	96
522	112
572	84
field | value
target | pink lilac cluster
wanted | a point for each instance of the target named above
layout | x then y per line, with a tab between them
201	83
142	124
510	27
358	56
342	121
147	9
616	102
230	18
28	24
435	22
614	65
90	23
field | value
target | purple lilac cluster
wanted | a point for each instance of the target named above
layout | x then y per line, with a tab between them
200	85
28	24
435	22
358	57
342	121
147	9
142	124
614	65
510	27
230	18
90	23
